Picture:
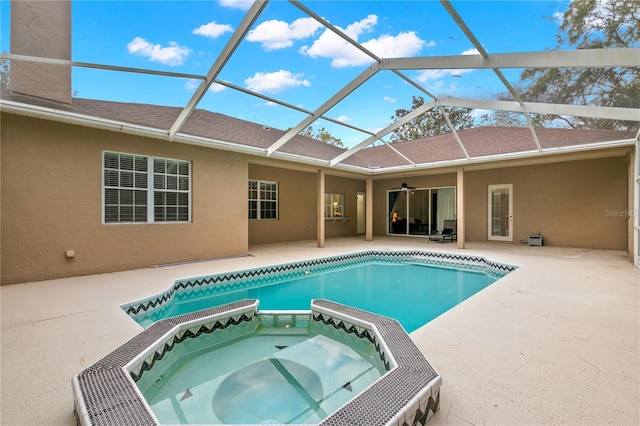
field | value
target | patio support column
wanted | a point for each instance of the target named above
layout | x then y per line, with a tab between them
369	210
460	207
320	209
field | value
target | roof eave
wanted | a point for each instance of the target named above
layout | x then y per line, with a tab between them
68	117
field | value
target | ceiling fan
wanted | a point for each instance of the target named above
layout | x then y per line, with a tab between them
406	187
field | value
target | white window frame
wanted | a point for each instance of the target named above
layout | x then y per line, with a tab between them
259	200
150	187
333	205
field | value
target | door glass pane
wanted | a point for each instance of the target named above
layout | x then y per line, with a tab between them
500	212
443	207
397	212
418	212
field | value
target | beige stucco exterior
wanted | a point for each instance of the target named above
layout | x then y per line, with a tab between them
297	208
579	200
581	203
52	201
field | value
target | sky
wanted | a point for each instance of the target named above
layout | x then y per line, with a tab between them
289	56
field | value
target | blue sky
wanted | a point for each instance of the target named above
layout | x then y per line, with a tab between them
289	56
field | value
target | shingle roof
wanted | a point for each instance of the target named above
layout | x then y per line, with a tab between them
483	142
478	142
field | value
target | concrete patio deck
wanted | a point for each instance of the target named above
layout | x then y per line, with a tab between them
555	342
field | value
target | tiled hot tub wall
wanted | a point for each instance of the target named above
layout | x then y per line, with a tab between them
106	394
407	395
221	324
155	307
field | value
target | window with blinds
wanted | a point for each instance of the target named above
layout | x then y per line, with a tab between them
263	200
132	183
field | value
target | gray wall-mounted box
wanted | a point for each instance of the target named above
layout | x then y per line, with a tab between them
535	240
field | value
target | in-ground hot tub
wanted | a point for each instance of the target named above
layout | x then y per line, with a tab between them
387	380
276	367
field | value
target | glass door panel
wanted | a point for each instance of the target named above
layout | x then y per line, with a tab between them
418	211
500	212
398	212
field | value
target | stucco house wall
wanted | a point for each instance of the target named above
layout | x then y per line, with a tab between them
51	192
52	202
349	188
580	203
296	206
574	203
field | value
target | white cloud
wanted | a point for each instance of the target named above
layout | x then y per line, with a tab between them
558	17
216	87
344	118
400	46
363	26
193	84
432	75
472	51
276	34
329	45
237	4
213	30
275	82
343	54
389	99
170	55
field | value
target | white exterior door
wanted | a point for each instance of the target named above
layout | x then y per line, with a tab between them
500	226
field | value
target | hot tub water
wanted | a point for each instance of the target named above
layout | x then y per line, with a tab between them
285	374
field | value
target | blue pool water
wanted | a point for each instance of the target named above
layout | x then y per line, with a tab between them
413	294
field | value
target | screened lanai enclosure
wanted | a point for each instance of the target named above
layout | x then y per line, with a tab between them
363	76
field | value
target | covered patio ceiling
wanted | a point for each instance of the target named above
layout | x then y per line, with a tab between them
504	66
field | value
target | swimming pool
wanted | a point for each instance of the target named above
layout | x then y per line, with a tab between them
411	286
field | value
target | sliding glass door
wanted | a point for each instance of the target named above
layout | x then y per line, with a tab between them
420	211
